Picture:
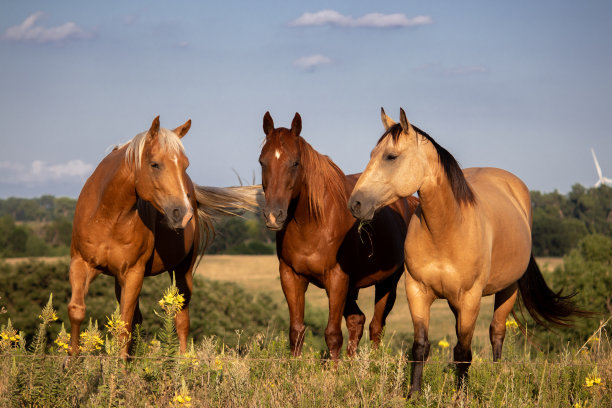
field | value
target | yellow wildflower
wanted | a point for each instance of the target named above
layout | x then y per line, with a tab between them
218	364
589	382
181	400
443	343
511	324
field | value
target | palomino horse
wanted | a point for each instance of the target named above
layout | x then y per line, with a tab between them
470	237
319	241
139	215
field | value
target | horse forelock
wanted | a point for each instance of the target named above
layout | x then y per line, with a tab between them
167	140
321	176
459	185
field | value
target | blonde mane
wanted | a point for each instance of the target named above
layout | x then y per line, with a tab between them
167	139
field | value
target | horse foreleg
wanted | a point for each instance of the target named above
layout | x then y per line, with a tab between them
420	299
385	295
466	310
137	312
504	302
131	284
81	275
294	287
184	283
355	320
337	284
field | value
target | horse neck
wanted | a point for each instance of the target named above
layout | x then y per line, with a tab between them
440	209
323	189
118	187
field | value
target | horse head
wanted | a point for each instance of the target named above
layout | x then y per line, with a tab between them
160	172
281	169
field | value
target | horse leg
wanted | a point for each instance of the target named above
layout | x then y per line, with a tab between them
385	295
420	299
137	313
466	312
504	302
294	287
81	275
184	283
131	284
337	290
355	320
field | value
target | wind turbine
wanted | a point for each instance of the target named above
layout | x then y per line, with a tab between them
602	179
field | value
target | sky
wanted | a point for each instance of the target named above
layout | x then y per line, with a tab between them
525	86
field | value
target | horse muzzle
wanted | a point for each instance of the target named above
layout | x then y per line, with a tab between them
361	207
275	218
178	216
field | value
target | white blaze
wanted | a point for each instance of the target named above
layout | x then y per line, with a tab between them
277	153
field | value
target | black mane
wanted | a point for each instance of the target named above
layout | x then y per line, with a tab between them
461	190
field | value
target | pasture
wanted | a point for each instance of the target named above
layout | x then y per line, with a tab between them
259	273
259	371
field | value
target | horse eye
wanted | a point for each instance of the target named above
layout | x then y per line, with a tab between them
155	165
295	164
391	157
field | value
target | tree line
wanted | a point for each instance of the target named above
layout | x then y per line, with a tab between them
42	226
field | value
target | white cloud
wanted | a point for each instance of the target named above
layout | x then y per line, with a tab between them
40	171
29	31
371	20
311	62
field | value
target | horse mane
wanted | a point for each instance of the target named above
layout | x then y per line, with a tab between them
459	185
321	175
167	139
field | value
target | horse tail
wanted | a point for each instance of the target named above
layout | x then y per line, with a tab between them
215	202
543	304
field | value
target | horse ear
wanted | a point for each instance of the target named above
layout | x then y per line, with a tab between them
268	123
154	130
183	129
404	122
296	125
387	121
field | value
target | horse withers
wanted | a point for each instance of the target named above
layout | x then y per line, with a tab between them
319	242
470	237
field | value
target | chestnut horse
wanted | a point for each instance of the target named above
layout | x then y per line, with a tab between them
319	242
139	215
470	237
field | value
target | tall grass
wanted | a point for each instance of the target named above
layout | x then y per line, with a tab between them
259	372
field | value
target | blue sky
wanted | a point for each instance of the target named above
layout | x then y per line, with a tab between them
521	85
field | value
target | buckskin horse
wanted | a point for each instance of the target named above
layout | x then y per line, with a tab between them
470	237
319	242
139	214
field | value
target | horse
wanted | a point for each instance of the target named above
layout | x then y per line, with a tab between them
319	242
470	237
139	214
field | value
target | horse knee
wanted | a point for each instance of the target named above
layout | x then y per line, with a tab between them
355	322
333	338
76	313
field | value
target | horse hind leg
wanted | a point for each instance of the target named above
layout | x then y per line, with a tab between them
355	320
385	295
504	302
81	275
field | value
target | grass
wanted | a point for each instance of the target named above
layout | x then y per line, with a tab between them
262	374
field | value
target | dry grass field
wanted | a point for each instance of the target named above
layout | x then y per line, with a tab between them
260	274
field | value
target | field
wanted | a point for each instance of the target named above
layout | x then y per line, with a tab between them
259	371
259	273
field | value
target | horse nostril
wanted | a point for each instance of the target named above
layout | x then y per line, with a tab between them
176	213
356	206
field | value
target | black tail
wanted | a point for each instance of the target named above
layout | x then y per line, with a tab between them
544	305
